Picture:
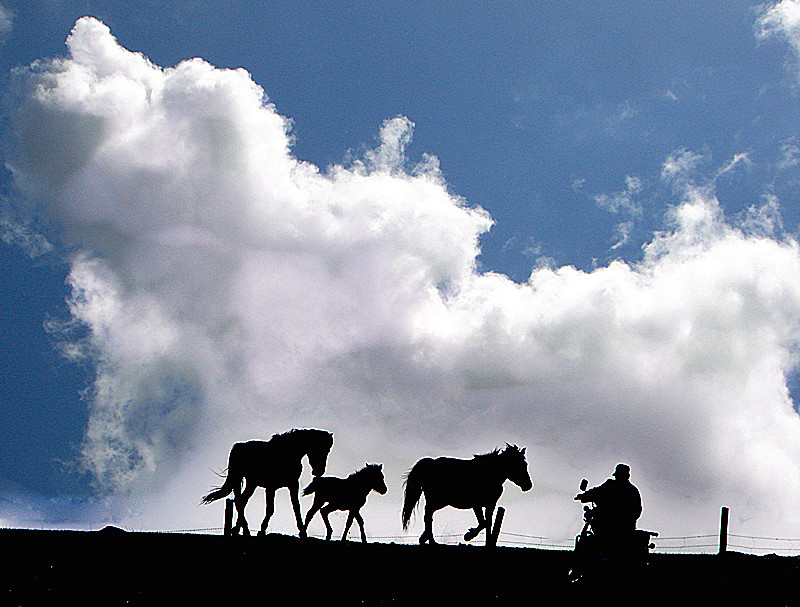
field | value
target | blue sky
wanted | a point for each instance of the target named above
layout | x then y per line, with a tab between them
633	297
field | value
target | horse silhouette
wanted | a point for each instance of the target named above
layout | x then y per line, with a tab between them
345	494
272	464
475	483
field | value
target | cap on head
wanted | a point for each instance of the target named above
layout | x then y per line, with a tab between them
622	471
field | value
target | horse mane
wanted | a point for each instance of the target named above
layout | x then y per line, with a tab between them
487	455
284	435
497	452
278	438
363	470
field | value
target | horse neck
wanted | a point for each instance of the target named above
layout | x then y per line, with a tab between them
492	466
303	445
362	482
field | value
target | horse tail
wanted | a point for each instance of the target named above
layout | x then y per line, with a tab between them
413	489
232	480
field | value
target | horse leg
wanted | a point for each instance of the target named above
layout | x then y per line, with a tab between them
293	489
270	499
240	500
360	522
313	510
347	525
427	535
237	495
325	511
487	522
472	533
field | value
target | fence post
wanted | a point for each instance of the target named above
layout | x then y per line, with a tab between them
495	531
723	530
228	517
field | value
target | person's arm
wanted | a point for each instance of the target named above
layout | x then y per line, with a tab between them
589	495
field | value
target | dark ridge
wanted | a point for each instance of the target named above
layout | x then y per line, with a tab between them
134	568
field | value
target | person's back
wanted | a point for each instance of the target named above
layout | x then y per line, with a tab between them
624	505
618	503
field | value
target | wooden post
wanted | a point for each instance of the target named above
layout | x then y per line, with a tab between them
228	517
495	531
723	530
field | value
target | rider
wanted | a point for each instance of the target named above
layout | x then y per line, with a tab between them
618	504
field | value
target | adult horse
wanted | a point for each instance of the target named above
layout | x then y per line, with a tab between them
332	493
272	464
475	483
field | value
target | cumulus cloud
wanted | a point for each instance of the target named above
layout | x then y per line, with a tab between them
780	19
216	270
228	290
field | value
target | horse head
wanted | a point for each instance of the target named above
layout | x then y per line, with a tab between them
377	482
318	450
517	466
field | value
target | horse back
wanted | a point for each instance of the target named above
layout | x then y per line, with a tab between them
457	482
429	468
250	451
323	486
338	493
451	466
264	464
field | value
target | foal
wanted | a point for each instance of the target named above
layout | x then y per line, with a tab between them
332	493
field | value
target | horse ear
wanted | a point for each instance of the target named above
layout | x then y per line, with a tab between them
523	450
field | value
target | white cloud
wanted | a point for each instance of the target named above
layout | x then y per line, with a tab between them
738	160
6	23
680	165
790	155
16	232
623	231
623	201
782	19
231	291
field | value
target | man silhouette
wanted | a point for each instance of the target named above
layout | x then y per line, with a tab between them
618	504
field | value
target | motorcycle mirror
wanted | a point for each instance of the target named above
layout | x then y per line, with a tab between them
584	484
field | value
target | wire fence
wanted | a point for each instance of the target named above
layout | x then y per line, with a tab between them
707	543
685	544
777	545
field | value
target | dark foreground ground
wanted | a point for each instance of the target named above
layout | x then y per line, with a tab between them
114	567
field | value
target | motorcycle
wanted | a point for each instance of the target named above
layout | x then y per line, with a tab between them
596	555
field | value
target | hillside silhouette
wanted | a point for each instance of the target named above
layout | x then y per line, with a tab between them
115	567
